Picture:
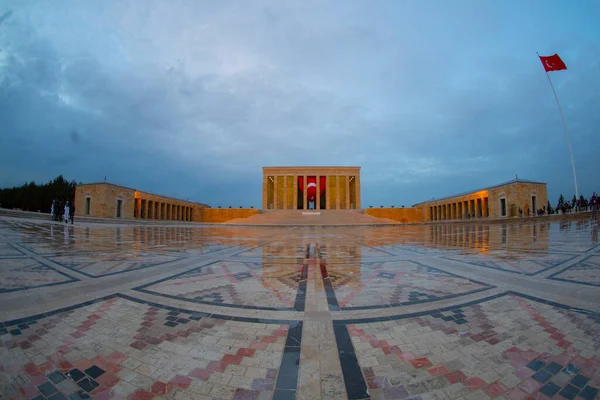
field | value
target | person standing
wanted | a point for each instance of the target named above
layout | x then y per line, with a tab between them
594	203
66	212
52	209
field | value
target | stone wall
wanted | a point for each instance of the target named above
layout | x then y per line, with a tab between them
103	200
405	215
518	195
224	214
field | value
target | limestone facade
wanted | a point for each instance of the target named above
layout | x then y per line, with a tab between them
499	201
105	200
282	188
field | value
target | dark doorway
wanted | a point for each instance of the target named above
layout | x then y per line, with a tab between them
503	207
533	205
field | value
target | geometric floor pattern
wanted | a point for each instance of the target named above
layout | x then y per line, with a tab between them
188	311
585	272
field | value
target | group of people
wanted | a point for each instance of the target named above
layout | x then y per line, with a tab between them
62	211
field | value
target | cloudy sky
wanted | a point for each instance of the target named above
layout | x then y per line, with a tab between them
190	99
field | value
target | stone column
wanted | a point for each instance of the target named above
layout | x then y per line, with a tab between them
337	192
318	198
265	191
295	191
357	188
347	191
275	192
305	191
285	192
327	196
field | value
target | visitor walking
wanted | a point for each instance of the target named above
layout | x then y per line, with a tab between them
66	212
594	203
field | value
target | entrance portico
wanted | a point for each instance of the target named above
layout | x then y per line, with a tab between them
307	188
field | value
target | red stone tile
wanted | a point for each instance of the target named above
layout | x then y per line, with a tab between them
139	345
64	364
280	333
216	366
392	350
421	363
474	383
201	373
269	339
258	346
557	336
438	370
140	394
379	343
108	380
455	376
45	368
180	381
30	368
231	359
160	388
246	352
563	343
82	364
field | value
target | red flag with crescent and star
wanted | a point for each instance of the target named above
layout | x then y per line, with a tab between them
552	63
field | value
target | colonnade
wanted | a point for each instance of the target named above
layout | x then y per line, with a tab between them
281	191
462	209
152	209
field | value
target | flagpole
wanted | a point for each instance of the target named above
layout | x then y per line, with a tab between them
566	131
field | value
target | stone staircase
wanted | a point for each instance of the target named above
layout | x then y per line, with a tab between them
311	217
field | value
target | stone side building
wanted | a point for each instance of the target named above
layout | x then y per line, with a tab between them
499	201
105	200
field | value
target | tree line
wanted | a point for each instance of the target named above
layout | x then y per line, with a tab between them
34	197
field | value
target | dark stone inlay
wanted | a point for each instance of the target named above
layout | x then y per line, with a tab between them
589	393
94	371
331	299
580	381
284	395
542	376
75	374
47	389
300	301
287	381
550	389
569	392
356	387
553	367
288	371
536	365
88	384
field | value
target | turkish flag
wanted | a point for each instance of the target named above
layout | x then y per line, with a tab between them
552	63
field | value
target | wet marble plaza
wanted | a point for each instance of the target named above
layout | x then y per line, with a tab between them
442	311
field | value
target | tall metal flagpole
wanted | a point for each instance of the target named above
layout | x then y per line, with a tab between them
566	131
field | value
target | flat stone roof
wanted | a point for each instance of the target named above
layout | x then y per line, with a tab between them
516	180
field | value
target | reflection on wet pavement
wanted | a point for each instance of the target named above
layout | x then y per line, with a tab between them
437	311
